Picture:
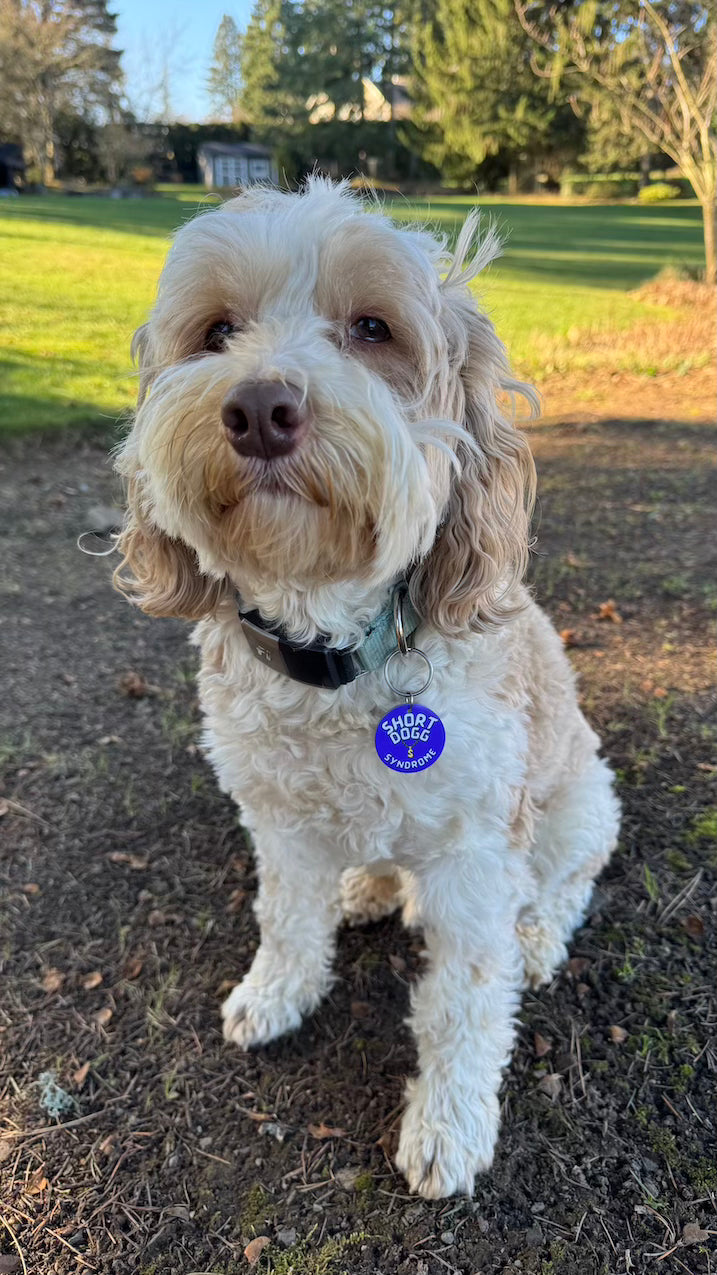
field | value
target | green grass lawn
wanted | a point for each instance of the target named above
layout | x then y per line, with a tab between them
77	275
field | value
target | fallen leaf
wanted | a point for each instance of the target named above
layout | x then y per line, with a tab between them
541	1045
5	1150
133	685
133	968
136	862
37	1182
360	1009
582	990
659	693
239	865
92	980
551	1085
52	980
236	898
577	965
693	1233
608	611
388	1142
695	926
31	888
398	964
260	1116
618	1035
572	560
255	1248
79	1077
325	1131
103	1016
568	637
107	1144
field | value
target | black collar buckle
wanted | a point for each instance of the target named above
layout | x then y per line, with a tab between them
314	665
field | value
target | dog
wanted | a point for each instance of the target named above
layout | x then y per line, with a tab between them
325	473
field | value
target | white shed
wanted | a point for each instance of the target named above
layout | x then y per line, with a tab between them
227	164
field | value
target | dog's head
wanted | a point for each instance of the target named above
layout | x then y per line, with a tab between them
319	402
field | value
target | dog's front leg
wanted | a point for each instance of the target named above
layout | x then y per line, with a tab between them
298	909
463	1011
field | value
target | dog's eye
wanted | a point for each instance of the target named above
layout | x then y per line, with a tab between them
370	329
217	335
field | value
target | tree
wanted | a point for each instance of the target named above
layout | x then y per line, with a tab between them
224	79
55	55
657	61
264	102
474	92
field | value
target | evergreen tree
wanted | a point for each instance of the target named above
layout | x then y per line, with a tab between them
224	79
475	94
53	58
333	46
266	101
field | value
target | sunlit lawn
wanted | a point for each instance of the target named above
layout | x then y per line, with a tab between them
78	274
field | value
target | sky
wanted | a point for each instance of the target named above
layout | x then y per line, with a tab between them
178	34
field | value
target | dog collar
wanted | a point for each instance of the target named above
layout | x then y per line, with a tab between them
317	663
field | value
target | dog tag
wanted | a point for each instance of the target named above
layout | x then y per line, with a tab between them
410	737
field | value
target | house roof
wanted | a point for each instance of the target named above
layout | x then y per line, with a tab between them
246	150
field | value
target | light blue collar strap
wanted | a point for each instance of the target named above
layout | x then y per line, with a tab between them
317	663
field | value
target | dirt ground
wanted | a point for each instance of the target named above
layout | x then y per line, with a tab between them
134	1142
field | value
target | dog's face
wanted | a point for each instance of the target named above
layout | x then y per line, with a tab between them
317	405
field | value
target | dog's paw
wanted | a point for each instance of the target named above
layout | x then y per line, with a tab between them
367	897
441	1151
253	1016
543	950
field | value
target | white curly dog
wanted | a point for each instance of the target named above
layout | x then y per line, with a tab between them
324	453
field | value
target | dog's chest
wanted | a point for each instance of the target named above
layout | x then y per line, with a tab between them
302	756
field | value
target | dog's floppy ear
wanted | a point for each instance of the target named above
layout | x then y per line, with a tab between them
165	577
141	352
481	550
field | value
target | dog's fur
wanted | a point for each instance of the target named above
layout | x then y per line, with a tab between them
411	465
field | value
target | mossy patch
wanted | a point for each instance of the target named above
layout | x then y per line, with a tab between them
256	1210
299	1260
704	827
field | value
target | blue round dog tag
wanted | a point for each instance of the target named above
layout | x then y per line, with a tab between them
410	738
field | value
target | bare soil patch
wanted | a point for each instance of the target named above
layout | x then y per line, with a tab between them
132	1140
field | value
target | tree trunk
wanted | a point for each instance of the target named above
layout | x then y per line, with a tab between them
708	218
513	178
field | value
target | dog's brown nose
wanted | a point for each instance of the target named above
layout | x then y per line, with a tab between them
264	418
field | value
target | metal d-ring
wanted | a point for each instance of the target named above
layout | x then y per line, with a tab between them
397	690
403	646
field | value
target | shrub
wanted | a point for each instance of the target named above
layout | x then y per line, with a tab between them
657	192
597	186
612	188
